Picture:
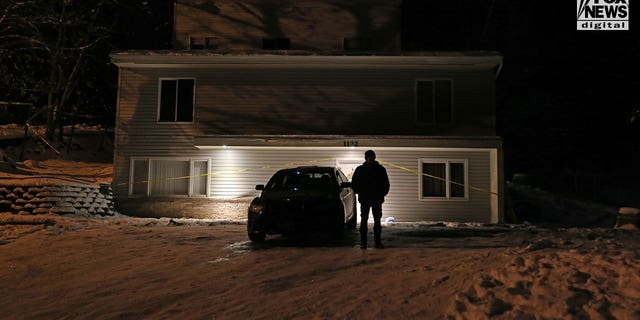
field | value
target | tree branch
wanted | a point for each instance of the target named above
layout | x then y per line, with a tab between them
5	13
71	80
35	43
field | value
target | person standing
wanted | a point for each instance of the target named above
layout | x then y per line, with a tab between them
371	183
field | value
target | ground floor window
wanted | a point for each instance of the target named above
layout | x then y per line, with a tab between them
169	177
443	179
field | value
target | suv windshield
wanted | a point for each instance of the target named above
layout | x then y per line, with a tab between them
292	180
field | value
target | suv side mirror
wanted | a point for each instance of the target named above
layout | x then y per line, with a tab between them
260	187
346	185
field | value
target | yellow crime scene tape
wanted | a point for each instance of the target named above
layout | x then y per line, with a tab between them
434	177
307	162
284	165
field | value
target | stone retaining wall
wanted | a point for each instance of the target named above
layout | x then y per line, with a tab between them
86	200
628	218
197	208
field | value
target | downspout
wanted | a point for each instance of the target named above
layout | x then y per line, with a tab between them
499	69
173	27
501	178
116	127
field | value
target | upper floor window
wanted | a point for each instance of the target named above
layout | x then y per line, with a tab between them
276	43
196	43
212	43
434	101
443	179
204	43
176	100
365	44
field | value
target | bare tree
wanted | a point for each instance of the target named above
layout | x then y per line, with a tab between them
58	36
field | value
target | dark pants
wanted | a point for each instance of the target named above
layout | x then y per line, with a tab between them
376	207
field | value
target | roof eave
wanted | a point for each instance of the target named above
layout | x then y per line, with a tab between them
186	59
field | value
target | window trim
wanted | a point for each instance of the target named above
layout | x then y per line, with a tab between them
192	40
415	100
206	41
132	161
447	163
191	174
210	39
159	98
191	170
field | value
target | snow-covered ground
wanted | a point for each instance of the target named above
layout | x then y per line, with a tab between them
59	267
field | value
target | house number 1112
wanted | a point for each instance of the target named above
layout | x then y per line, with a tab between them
350	143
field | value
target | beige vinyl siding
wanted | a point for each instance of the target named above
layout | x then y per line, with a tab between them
138	104
235	172
306	100
311	24
403	201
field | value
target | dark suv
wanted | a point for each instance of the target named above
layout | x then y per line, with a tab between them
302	199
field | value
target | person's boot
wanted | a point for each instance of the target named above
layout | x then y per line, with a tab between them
379	244
363	242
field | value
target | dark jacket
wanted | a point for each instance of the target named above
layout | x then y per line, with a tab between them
370	182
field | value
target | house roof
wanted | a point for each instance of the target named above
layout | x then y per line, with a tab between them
302	53
200	58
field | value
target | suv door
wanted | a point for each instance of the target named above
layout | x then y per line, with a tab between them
347	196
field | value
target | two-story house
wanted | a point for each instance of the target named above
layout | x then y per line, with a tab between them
255	86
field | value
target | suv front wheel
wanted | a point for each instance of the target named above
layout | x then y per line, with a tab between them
254	234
